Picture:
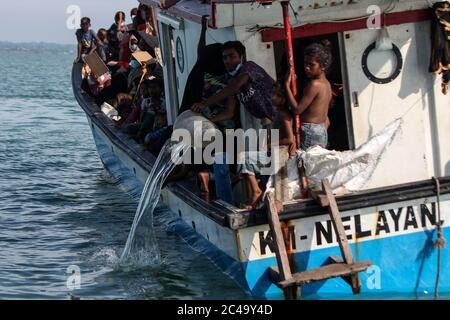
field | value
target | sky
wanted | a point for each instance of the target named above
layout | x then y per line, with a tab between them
46	20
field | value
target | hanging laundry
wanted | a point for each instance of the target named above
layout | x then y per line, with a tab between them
440	36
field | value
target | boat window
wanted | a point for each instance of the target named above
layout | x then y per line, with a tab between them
382	66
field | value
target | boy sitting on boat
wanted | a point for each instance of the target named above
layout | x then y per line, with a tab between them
152	111
87	40
316	99
255	161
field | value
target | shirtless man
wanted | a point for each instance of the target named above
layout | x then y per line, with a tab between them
317	95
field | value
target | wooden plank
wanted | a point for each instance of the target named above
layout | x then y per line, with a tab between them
326	272
280	247
337	223
340	231
284	269
319	197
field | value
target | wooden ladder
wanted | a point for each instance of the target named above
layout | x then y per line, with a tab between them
347	269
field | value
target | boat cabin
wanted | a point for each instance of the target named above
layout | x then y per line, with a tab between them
378	87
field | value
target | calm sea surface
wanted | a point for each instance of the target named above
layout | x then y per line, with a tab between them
60	211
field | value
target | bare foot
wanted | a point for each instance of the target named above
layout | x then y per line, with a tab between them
256	198
204	179
279	206
206	196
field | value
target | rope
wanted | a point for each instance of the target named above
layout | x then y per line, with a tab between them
440	241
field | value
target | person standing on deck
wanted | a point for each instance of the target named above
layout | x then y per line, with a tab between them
316	99
250	83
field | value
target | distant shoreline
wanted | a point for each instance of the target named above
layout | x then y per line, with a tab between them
36	47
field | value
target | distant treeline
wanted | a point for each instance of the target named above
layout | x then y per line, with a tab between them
35	46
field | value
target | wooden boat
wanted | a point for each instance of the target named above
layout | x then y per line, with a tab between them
392	222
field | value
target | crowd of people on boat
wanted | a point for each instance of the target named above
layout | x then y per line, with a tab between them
221	81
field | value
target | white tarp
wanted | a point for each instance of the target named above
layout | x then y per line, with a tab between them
346	171
349	169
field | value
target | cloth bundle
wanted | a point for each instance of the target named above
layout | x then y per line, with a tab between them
440	36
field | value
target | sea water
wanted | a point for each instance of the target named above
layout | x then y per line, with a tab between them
60	211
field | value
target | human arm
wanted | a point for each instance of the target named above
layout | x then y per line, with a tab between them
228	91
309	94
94	47
288	134
228	114
79	47
202	42
77	60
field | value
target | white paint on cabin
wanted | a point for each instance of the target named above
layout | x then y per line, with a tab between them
414	153
309	11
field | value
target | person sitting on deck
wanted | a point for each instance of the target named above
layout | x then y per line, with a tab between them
222	114
250	83
254	161
124	105
97	84
128	46
316	99
153	114
207	78
87	40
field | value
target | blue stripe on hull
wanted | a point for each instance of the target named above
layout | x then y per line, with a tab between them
406	264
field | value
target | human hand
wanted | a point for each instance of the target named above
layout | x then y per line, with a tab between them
290	78
77	60
198	107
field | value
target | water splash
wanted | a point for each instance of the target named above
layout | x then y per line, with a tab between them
146	250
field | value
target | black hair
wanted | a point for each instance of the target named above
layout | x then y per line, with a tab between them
85	19
321	52
280	89
236	45
210	59
117	16
101	30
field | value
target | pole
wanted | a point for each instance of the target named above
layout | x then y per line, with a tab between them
290	53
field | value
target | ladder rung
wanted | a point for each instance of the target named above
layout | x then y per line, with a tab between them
326	272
